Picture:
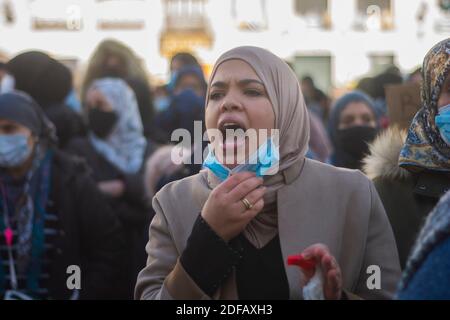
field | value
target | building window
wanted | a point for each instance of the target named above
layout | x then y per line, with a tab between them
55	15
250	15
186	27
318	67
7	11
315	13
442	23
121	14
185	14
379	63
374	15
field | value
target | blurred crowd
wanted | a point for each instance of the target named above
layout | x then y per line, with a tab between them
80	166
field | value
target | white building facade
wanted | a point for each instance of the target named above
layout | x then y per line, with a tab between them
336	41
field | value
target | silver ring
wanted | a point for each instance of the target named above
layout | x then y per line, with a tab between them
247	203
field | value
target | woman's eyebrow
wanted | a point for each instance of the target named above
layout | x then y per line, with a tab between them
219	84
243	82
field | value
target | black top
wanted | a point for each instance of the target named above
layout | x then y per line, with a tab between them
260	274
209	261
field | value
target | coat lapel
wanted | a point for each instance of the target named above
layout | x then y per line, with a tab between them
295	235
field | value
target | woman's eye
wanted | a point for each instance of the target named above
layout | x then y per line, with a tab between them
215	95
367	119
253	92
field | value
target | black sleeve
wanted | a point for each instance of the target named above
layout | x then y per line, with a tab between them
134	189
207	258
101	238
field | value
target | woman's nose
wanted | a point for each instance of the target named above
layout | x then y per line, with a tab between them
230	104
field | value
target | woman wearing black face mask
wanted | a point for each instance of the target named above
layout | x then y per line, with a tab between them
52	215
353	124
116	150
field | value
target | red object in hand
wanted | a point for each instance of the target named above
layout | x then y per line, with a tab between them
299	260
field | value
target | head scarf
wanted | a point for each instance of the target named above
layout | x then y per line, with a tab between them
291	118
191	70
424	147
19	107
341	104
125	146
96	69
45	79
342	157
283	89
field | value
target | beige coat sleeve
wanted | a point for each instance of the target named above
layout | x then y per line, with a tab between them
381	251
164	277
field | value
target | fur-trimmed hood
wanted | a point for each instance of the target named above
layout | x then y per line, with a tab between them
384	153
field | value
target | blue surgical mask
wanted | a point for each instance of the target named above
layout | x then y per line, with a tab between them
442	121
263	161
173	79
161	103
14	150
7	83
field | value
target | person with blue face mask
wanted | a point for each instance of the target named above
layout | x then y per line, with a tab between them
411	170
51	213
186	102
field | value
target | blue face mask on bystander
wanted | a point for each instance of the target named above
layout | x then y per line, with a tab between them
14	150
442	121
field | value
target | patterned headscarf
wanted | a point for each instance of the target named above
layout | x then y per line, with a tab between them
424	148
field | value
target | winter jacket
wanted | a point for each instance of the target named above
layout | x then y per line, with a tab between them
132	208
408	197
89	236
427	275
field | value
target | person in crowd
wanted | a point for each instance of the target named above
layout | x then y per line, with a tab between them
187	108
320	147
415	76
52	216
116	150
316	100
226	237
187	103
390	76
163	94
427	270
352	126
412	175
49	83
367	86
114	59
180	60
6	80
161	98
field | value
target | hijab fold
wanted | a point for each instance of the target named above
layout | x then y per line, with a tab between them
126	145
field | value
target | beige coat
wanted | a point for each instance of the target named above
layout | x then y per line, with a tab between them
319	204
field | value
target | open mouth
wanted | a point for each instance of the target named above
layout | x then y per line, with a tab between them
233	135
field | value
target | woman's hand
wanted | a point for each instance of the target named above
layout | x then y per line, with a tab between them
113	188
95	98
332	287
224	210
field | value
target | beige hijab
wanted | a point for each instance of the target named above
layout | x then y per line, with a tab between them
292	120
